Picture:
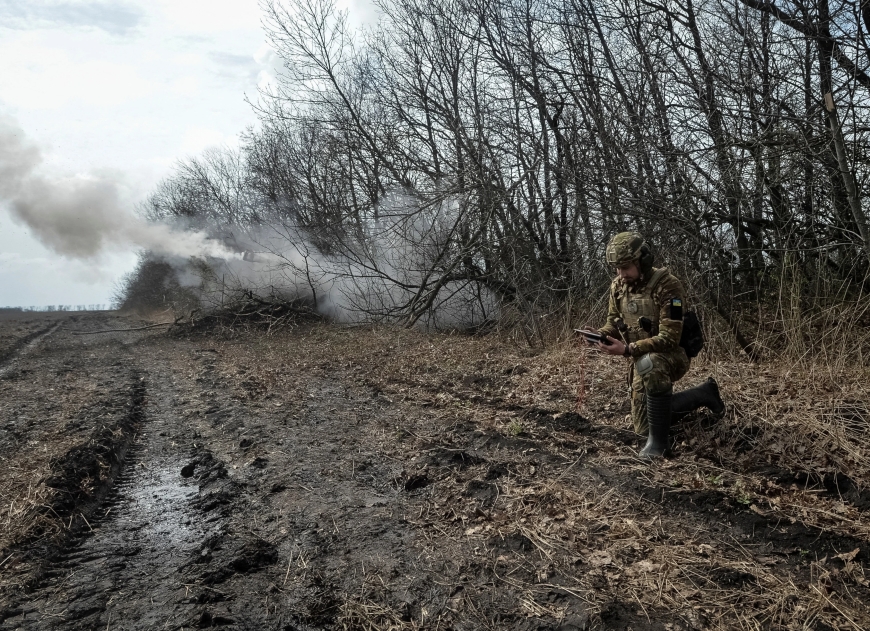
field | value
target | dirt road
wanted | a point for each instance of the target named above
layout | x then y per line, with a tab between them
334	478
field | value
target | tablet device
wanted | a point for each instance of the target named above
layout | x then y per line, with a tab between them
594	336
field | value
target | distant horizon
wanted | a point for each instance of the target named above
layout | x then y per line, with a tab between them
59	308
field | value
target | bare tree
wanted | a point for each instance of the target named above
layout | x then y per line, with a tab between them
520	135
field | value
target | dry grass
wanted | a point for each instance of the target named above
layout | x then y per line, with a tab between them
596	539
362	613
810	416
27	506
595	542
24	498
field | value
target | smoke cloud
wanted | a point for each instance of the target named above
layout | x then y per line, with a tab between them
80	217
392	272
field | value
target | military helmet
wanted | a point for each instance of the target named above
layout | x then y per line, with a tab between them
625	248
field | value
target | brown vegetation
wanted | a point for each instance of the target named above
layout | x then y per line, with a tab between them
378	477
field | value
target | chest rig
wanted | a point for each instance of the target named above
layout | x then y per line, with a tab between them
634	305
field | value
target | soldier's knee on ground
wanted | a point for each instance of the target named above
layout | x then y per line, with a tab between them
658	385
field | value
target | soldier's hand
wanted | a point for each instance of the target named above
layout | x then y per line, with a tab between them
616	347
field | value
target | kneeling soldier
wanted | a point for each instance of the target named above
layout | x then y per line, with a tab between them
645	322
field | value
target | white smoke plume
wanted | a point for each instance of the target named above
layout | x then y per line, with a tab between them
389	273
392	272
80	217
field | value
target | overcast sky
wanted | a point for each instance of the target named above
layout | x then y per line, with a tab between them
124	89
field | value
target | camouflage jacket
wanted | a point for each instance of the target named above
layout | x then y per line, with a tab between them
661	299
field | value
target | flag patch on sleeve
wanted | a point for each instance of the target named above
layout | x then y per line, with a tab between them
676	308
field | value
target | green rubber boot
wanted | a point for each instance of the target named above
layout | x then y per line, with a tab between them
704	396
658	415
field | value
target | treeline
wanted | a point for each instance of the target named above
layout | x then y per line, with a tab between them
93	307
732	133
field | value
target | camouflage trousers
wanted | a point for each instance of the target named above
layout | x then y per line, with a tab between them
666	369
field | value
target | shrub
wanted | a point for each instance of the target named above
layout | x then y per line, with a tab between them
154	286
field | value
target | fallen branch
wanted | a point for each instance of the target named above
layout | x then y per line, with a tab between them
139	328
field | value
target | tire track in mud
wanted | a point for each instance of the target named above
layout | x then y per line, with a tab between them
24	346
318	526
80	480
119	568
266	474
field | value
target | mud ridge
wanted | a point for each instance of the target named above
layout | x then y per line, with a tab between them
82	481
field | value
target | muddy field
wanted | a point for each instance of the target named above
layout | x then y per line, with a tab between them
324	477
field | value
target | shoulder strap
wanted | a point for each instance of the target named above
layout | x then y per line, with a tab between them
656	277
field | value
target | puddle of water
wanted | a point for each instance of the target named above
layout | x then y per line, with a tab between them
152	512
125	574
159	501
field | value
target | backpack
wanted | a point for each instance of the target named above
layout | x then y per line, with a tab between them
692	338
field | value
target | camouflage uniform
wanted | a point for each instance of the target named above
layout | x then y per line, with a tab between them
658	360
647	314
